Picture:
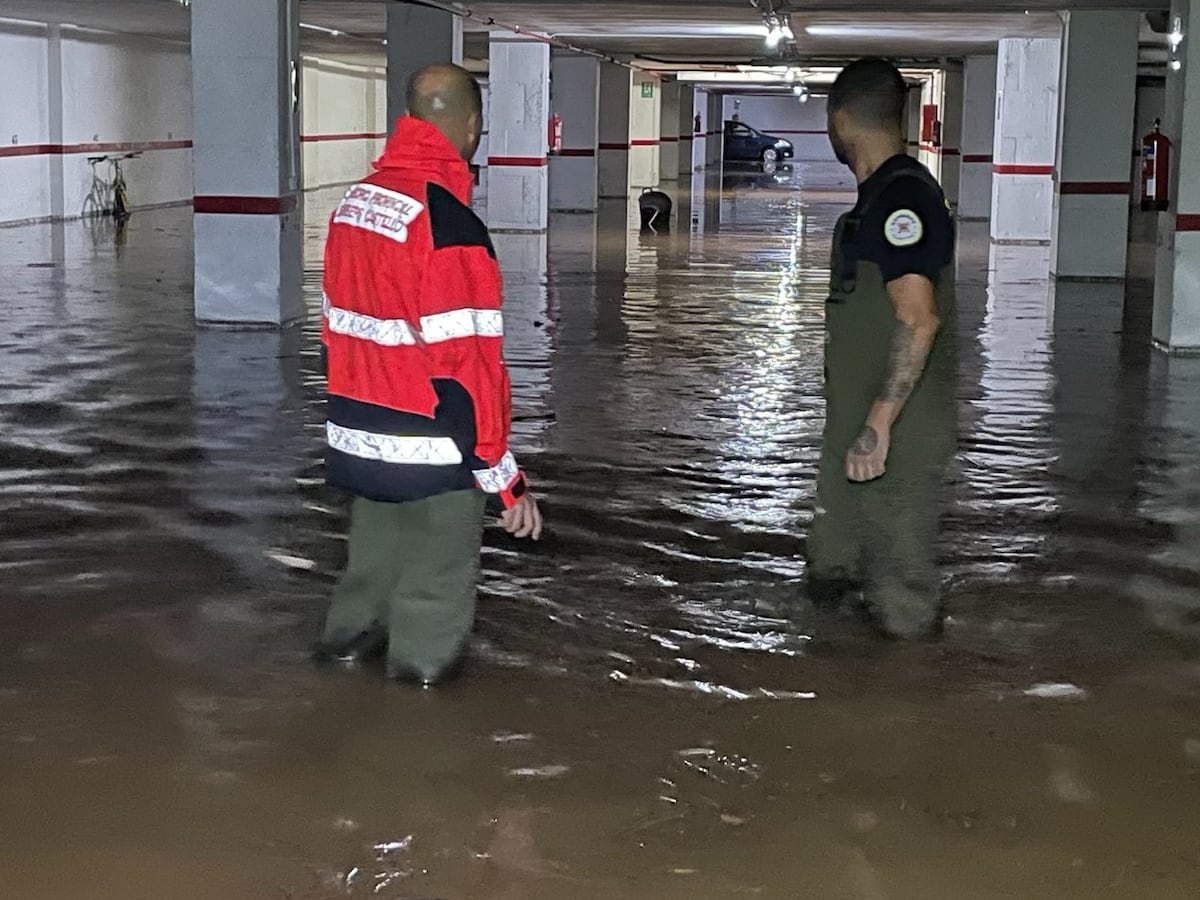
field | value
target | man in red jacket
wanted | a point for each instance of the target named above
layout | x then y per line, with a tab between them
419	404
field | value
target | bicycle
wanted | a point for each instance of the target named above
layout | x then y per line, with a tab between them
109	198
95	204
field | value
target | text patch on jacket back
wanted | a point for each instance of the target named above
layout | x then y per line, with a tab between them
374	208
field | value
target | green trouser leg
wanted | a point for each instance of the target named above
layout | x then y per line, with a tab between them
413	569
834	538
360	599
431	607
900	526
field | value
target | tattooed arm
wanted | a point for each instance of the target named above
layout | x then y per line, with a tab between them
916	326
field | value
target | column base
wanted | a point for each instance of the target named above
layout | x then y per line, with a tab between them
248	267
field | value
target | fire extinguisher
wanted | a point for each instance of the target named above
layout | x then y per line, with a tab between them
554	133
1156	167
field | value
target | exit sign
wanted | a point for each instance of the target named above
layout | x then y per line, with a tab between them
647	90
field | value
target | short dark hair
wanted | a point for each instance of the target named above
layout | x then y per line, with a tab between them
872	92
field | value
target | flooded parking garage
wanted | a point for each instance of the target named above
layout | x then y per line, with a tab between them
653	709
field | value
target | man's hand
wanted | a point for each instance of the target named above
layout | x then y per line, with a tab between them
867	459
524	519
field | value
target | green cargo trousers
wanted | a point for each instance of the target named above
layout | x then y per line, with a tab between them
882	535
413	569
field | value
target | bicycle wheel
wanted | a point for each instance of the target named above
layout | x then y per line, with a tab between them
120	203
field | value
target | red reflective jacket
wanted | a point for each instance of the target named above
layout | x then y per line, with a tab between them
419	399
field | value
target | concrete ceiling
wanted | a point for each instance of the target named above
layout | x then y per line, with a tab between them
666	33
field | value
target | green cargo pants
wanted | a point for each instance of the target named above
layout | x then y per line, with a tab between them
413	569
882	535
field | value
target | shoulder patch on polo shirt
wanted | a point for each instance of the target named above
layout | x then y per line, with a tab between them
454	224
903	228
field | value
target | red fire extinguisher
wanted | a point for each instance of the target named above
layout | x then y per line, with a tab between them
554	133
1156	166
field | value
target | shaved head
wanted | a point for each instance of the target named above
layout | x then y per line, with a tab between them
448	97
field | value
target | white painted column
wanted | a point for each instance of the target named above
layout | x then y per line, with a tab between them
645	124
575	96
1026	140
518	182
978	138
715	150
246	162
1177	285
686	137
668	132
614	130
952	133
417	36
1098	92
912	111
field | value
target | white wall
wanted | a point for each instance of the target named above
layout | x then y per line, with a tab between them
804	124
122	89
24	122
69	94
344	120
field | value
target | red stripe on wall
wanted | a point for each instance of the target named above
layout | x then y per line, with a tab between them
531	162
951	151
644	142
977	158
244	206
1187	222
667	139
359	136
70	149
576	151
1021	169
613	146
1096	188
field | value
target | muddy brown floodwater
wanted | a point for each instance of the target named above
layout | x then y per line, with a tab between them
653	712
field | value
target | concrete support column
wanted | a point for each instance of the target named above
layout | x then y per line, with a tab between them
668	132
715	146
687	102
575	96
246	162
978	138
1097	96
1177	285
417	36
913	115
645	124
1026	140
952	133
614	130
518	182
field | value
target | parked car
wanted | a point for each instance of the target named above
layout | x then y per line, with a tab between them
746	144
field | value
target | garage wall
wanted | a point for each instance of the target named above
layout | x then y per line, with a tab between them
344	120
801	123
71	93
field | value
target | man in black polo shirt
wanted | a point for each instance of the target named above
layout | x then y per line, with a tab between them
890	367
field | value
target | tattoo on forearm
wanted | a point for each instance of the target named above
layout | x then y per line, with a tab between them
866	443
906	362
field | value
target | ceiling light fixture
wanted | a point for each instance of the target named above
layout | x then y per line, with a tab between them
332	32
1175	38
